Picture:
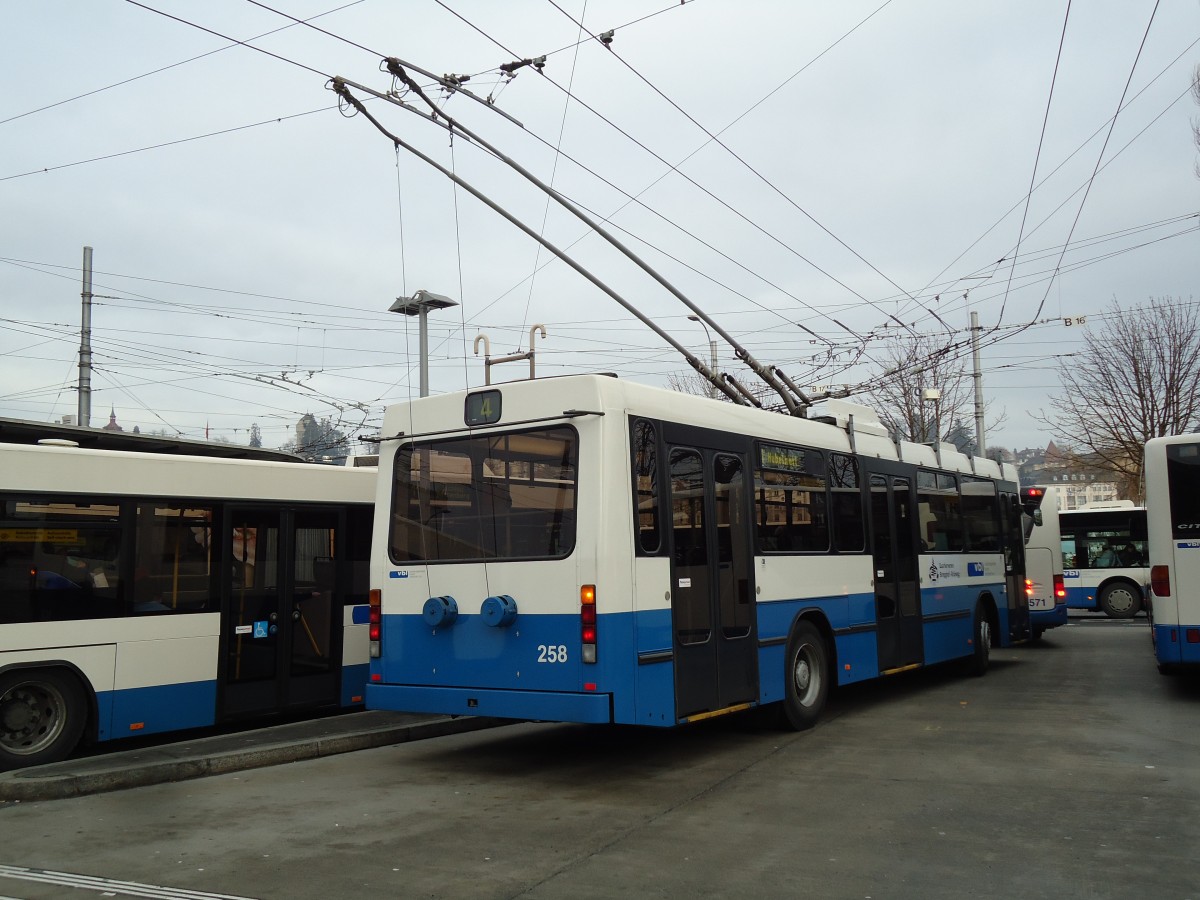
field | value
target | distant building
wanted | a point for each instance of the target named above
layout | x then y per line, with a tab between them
112	421
1072	479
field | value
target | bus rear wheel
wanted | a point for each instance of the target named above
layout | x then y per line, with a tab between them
1120	601
806	677
42	713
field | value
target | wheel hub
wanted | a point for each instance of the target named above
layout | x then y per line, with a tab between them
803	675
27	720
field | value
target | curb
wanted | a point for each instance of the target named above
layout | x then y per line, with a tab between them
45	783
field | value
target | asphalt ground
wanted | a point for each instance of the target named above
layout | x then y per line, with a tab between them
248	748
107	768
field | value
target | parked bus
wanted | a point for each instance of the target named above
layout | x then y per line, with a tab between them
1044	584
1104	557
1173	522
586	549
147	592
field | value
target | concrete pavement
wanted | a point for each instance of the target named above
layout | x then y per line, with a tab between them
110	770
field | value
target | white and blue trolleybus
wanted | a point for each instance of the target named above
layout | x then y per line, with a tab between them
1173	522
1044	583
586	549
144	593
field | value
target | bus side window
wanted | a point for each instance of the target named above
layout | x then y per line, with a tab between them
847	507
645	488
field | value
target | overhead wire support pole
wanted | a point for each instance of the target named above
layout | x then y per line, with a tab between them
395	68
340	87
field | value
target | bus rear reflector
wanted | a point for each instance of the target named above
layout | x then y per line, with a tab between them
1192	635
1160	581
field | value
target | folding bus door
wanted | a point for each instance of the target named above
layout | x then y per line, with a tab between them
1013	535
897	587
281	618
712	593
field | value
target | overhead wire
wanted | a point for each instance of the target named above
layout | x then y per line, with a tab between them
714	138
1068	158
1100	156
1037	156
173	65
725	204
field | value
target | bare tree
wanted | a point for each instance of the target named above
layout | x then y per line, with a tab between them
1196	122
912	365
1136	378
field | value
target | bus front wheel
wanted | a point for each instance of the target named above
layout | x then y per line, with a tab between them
806	675
1120	601
42	715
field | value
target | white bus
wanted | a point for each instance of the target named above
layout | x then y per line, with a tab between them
1173	521
1104	557
1044	585
591	550
149	592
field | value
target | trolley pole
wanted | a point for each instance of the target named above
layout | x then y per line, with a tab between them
85	344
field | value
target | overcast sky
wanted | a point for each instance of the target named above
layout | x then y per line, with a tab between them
873	166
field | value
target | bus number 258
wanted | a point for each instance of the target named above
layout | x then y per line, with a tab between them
552	653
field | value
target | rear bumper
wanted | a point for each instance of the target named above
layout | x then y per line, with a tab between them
540	705
1048	618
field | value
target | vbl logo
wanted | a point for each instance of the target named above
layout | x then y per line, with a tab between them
974	569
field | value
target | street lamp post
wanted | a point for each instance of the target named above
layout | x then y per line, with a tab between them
712	355
419	305
934	396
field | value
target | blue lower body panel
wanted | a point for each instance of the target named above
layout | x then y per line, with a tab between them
1048	618
1172	647
1082	598
354	681
152	710
542	705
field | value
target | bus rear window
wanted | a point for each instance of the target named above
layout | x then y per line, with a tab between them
505	496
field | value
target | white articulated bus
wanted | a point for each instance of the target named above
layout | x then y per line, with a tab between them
1173	522
586	549
149	592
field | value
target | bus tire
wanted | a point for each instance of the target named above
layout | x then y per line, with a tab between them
806	677
981	653
1120	600
42	716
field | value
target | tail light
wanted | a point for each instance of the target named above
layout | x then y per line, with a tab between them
587	622
1028	587
1060	589
1160	581
374	621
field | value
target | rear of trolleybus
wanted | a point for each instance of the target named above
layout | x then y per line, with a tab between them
487	588
1044	586
1172	469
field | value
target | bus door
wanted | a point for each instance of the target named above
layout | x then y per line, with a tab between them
712	590
281	610
1013	531
897	588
